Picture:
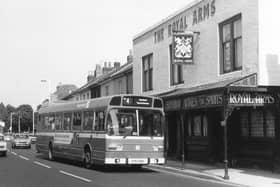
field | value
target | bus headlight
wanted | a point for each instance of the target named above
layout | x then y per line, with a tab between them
158	148
114	147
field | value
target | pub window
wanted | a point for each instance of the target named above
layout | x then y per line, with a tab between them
147	62
88	121
99	121
77	121
176	70
257	129
159	35
67	118
244	120
231	44
257	123
198	125
205	126
270	121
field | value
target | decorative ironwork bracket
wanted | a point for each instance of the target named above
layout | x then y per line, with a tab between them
228	111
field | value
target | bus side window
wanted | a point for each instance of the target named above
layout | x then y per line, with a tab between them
88	120
58	122
99	121
51	126
77	121
67	121
46	123
40	122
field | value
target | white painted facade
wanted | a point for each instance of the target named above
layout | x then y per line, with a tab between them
259	45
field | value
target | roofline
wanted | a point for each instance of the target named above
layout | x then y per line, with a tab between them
168	18
101	79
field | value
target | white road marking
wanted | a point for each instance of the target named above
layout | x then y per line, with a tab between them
23	157
75	176
14	153
193	177
41	164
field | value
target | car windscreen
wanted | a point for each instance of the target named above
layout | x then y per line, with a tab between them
21	137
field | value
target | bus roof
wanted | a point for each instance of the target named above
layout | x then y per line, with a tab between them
96	103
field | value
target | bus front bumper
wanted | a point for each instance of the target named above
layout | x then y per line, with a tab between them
136	161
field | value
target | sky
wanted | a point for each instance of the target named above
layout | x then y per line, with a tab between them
62	40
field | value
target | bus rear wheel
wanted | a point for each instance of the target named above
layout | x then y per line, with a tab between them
87	159
50	152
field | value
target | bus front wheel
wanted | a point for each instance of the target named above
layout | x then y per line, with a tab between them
87	160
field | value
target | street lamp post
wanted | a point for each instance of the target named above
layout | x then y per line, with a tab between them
19	123
33	120
11	121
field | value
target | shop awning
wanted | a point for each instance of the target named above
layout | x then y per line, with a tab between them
247	81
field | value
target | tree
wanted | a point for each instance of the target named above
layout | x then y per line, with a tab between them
25	112
9	109
3	114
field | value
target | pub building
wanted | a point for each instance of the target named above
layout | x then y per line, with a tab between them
215	64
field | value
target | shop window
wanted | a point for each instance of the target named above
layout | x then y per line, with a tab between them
231	44
77	121
88	121
176	70
99	121
147	64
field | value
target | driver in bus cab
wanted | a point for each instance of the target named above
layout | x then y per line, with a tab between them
113	126
126	126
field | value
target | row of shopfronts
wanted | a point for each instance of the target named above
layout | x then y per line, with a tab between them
195	120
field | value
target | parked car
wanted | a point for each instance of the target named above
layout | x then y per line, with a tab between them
21	141
8	137
33	139
3	145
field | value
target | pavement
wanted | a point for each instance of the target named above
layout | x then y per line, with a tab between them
237	176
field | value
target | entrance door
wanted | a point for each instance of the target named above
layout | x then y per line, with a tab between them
216	133
172	119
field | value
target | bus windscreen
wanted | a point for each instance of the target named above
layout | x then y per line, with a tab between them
123	122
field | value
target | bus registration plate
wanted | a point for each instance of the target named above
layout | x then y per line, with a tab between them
137	161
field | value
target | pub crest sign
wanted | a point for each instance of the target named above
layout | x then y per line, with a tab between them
182	47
